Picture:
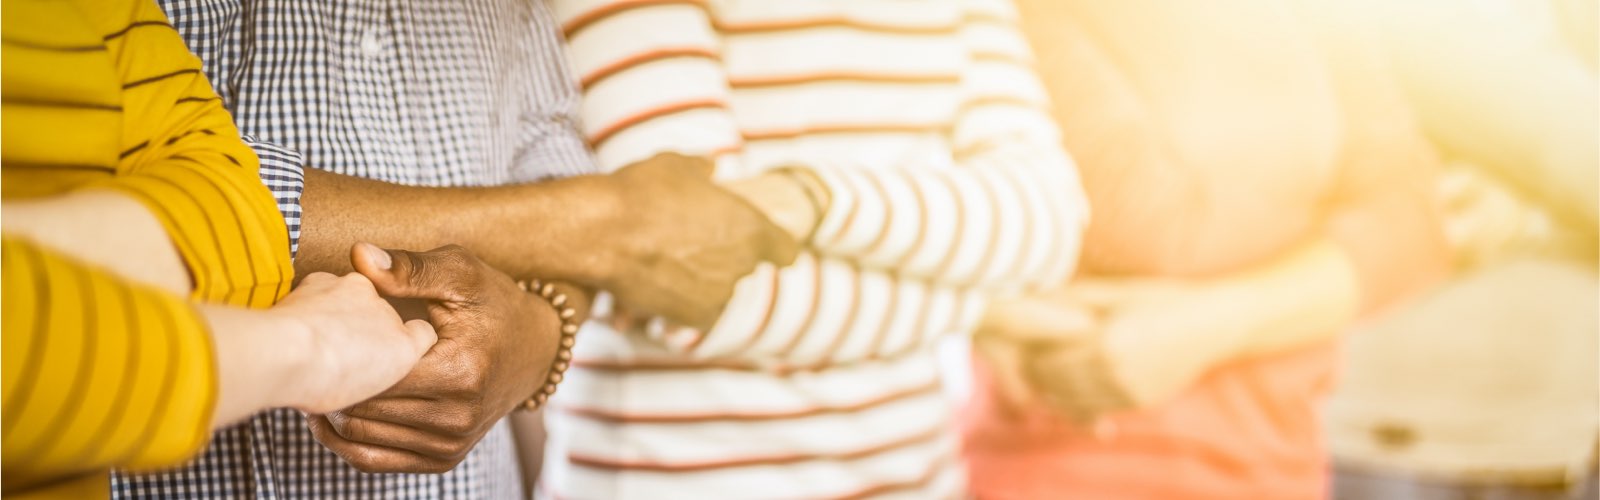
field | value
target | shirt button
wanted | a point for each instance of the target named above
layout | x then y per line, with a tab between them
370	46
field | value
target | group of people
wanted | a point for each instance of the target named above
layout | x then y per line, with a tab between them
280	249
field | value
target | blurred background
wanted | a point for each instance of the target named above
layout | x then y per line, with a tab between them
1482	381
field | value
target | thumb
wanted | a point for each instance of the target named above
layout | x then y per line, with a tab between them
421	335
419	275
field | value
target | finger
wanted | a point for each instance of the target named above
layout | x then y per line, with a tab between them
418	413
1043	319
374	459
435	274
393	435
422	336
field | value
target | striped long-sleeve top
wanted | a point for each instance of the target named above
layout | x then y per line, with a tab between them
98	372
949	186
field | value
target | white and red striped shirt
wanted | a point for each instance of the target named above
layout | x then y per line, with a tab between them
949	186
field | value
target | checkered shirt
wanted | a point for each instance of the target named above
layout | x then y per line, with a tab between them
422	92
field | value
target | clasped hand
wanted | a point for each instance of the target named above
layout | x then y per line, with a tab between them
495	346
1098	347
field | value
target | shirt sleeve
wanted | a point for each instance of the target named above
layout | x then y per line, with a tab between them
283	172
821	311
98	372
1008	217
192	171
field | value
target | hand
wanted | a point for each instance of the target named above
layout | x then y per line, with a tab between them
356	345
682	242
1150	340
496	345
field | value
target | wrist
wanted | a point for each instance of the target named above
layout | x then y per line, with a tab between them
261	360
291	360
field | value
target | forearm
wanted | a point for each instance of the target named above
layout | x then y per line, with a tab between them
1303	297
106	229
527	230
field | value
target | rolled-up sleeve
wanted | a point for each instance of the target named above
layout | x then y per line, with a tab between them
194	173
283	171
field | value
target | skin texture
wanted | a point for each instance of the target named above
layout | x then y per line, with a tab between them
496	344
1237	155
658	235
358	347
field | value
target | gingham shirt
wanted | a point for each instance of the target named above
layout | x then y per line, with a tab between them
425	92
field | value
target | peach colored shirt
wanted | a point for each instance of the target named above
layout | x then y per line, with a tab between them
1246	430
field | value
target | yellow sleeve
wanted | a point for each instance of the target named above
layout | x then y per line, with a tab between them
98	372
185	161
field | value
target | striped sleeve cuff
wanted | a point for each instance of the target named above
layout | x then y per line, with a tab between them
222	222
283	171
100	372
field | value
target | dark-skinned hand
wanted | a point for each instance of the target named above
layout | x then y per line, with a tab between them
683	242
496	345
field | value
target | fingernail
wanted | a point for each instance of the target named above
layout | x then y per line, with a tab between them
378	256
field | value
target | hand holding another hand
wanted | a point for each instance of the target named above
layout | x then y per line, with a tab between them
496	345
683	242
1102	346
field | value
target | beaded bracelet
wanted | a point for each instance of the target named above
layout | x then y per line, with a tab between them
569	337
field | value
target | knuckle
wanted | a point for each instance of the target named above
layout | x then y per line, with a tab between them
316	277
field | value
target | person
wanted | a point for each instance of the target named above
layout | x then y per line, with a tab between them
1258	183
104	370
908	147
427	124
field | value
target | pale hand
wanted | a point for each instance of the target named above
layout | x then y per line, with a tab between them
1149	339
356	345
682	242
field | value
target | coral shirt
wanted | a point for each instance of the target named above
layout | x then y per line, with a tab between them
1246	430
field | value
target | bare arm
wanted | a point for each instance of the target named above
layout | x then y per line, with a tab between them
540	230
106	229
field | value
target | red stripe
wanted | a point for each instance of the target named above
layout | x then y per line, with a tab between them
725	150
849	216
607	133
601	463
1000	100
943	269
916	329
845	76
977	16
597	75
672	364
863	128
1028	251
695	418
849	318
988	259
922	218
1000	57
772	305
583	20
834	22
888	316
888	213
882	489
816	300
